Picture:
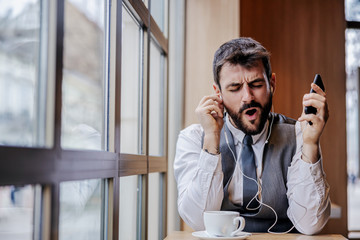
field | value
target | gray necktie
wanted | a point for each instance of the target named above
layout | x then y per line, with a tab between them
249	169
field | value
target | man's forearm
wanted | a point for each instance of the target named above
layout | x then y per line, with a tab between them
310	153
211	143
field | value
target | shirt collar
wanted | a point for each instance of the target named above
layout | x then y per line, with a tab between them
239	135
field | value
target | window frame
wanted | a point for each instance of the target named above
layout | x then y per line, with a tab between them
51	166
355	25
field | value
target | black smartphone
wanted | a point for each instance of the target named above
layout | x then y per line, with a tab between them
318	81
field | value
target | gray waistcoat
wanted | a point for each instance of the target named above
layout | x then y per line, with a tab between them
278	153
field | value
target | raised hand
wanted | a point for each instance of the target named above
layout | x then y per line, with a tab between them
210	113
312	132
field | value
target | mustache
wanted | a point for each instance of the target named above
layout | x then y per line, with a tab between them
250	105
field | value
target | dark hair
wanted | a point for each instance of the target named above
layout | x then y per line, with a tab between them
243	51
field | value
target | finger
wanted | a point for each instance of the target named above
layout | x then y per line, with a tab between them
203	100
217	98
212	102
314	103
211	109
321	107
318	117
315	100
314	96
317	89
213	97
306	117
314	119
208	102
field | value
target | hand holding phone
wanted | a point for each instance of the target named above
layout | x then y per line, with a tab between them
318	81
313	120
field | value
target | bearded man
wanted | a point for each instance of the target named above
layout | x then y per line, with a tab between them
242	157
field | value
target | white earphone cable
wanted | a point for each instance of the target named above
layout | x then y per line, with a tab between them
260	188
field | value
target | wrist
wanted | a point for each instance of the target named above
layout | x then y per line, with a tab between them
310	153
211	143
212	152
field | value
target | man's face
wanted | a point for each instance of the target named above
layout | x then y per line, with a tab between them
247	96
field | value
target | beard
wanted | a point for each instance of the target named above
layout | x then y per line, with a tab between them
246	127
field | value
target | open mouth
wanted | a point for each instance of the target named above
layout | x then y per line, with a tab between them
251	112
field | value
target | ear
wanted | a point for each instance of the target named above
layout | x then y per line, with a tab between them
216	89
273	83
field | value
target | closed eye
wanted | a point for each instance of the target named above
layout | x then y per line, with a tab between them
234	89
257	83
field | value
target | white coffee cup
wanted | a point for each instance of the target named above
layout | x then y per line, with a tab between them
223	223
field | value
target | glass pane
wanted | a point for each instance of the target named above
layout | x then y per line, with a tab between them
159	13
23	59
155	206
129	192
352	126
156	106
17	212
131	106
352	10
80	210
84	75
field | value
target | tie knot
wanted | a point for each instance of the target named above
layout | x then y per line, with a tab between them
247	140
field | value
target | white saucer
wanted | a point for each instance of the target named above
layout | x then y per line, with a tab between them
203	235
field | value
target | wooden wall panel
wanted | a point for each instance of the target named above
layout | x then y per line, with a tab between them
209	23
307	37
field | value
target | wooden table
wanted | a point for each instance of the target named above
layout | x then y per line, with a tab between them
262	236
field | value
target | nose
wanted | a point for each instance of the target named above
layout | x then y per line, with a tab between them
247	94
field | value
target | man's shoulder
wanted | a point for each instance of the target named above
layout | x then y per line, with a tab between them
283	130
282	119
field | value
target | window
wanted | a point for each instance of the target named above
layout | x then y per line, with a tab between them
83	119
143	122
156	202
156	101
17	211
23	71
129	209
81	213
84	106
352	48
131	84
159	11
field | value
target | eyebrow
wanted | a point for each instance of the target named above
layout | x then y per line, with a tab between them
257	80
236	84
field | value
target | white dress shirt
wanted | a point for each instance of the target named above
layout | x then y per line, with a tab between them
199	179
